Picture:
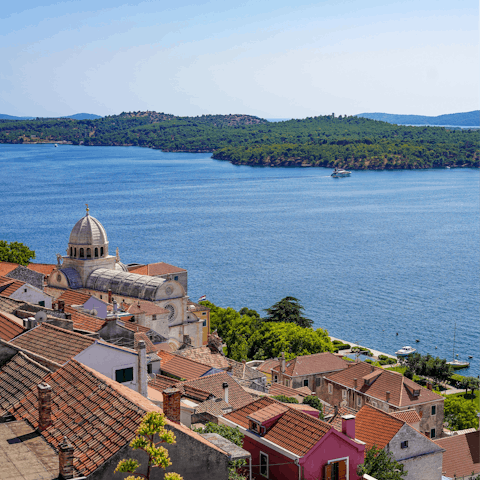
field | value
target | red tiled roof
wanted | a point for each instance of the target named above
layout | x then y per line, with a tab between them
9	329
53	343
295	431
304	390
17	377
267	365
462	454
148	308
45	268
268	413
133	326
334	417
315	363
195	393
54	292
400	387
7	267
150	347
279	389
181	367
375	427
407	416
205	356
11	286
154	269
82	321
161	382
72	297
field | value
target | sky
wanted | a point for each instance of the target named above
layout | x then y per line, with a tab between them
270	58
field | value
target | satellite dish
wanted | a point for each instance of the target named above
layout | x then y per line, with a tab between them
343	403
41	316
93	312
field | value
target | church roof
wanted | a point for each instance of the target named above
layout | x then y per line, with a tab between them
88	231
73	277
124	283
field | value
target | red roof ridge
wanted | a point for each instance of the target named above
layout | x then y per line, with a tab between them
64	331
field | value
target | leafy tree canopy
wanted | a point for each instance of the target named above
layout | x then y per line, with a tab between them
288	310
15	252
381	465
314	402
460	413
285	399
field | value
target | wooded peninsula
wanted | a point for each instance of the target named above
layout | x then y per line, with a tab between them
325	141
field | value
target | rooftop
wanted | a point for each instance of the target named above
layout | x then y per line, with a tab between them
205	356
84	322
147	308
408	416
8	286
268	413
7	267
73	297
310	364
154	269
180	367
9	329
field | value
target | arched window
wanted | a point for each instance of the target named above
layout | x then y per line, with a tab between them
71	251
89	253
101	251
96	252
75	252
82	254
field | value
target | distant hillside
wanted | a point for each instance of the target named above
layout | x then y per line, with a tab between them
11	117
467	119
77	116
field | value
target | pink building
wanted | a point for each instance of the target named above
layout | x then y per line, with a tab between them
288	444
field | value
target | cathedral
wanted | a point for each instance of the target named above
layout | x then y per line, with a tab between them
89	266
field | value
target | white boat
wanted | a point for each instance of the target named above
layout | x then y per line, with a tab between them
456	363
340	172
56	145
404	351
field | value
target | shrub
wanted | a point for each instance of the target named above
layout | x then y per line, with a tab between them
285	399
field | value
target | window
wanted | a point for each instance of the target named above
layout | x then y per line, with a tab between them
41	303
124	375
344	394
263	464
305	383
175	278
359	401
96	252
149	368
275	378
71	251
336	470
89	253
82	253
101	296
434	409
330	388
75	252
204	324
432	433
318	381
101	251
404	444
25	290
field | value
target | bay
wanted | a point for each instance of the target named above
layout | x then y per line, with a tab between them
369	256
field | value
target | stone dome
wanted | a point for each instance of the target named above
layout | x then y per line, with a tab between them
88	231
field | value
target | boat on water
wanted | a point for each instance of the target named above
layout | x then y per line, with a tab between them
456	363
340	172
56	145
404	351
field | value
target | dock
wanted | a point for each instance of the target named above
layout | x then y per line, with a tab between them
376	353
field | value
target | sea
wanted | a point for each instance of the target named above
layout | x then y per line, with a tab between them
380	258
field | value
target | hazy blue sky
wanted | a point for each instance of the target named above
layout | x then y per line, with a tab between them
271	58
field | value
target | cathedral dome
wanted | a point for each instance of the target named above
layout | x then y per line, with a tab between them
88	231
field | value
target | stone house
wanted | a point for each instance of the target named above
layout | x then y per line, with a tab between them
421	457
306	370
364	384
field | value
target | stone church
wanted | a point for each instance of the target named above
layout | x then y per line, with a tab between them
89	266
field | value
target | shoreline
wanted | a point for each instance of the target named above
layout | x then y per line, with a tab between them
376	353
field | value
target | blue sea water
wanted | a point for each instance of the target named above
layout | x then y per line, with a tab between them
369	256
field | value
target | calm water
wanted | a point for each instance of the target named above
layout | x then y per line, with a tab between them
368	256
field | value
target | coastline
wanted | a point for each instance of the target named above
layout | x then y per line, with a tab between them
376	353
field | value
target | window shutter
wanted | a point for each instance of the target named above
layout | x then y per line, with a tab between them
328	472
342	470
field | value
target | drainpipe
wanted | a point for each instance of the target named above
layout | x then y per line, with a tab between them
297	462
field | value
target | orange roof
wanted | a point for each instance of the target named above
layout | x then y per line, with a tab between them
268	413
267	365
133	326
334	416
72	297
205	356
400	388
7	267
45	268
408	416
53	343
154	269
279	389
54	292
295	431
462	454
9	329
375	427
82	321
181	367
148	308
8	286
315	363
161	382
150	347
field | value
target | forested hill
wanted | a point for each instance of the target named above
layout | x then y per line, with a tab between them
467	119
327	141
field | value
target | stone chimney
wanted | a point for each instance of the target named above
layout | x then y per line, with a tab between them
171	404
355	383
61	305
44	406
142	368
225	391
387	394
372	368
109	296
282	363
348	425
65	460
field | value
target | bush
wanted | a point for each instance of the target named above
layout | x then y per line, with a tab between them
285	399
341	346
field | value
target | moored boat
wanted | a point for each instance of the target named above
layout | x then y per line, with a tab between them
458	364
404	351
340	172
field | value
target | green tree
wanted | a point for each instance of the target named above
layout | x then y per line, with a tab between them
152	425
288	310
314	402
381	465
15	252
460	413
285	399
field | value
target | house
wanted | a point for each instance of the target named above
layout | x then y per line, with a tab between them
19	290
306	370
289	444
181	368
390	391
91	420
91	304
9	327
266	367
461	458
421	456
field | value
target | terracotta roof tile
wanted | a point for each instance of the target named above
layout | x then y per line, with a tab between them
17	377
84	322
161	382
133	326
147	308
295	431
400	388
8	286
45	268
205	356
150	347
462	454
73	297
7	267
9	329
315	363
375	427
154	269
52	342
267	365
279	389
408	416
268	413
183	368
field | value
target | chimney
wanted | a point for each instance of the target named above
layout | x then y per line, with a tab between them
355	383
109	296
372	368
171	404
115	306
335	410
44	406
429	386
348	425
225	391
65	460
282	362
142	368
387	393
61	305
